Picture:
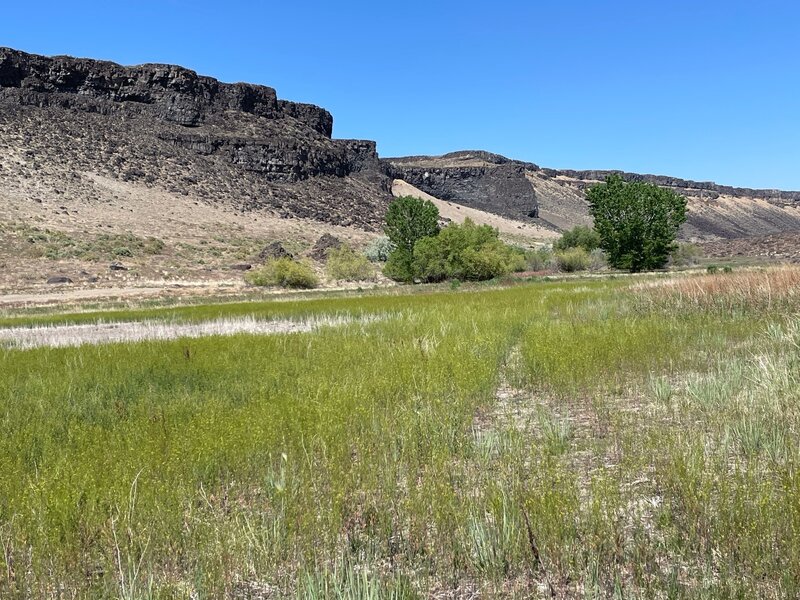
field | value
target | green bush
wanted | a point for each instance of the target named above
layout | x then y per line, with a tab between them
379	250
541	259
597	260
153	246
685	255
467	252
574	259
284	272
579	236
122	251
344	264
399	265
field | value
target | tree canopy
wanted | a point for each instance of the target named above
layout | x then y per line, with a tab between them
408	220
637	222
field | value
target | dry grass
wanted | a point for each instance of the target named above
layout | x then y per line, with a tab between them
763	289
64	336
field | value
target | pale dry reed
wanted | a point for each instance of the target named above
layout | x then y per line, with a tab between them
59	336
761	289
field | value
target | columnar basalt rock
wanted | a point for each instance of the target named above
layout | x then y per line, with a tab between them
239	141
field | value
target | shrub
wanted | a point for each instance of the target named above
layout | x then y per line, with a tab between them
122	251
466	252
597	260
399	265
574	259
487	262
344	264
685	255
379	250
541	259
284	272
579	236
153	245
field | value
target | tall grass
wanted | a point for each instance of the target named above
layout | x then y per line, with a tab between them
776	288
642	453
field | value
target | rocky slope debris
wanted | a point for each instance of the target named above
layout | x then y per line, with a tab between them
166	126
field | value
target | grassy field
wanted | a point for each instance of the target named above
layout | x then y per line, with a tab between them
591	438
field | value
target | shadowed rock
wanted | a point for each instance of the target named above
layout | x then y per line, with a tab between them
323	245
274	250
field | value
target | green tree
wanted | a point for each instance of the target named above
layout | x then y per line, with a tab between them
637	222
408	220
579	236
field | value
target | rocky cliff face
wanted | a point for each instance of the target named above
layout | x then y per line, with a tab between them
476	179
167	126
556	198
701	189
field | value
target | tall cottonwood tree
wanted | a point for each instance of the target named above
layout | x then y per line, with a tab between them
637	222
408	220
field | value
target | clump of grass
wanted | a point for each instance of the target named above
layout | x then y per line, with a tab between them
556	432
662	390
284	272
494	538
353	582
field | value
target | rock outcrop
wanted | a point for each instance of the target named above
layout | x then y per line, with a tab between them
167	126
167	92
476	179
557	198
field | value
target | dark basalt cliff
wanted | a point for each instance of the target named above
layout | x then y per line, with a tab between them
704	189
168	126
556	198
477	179
167	92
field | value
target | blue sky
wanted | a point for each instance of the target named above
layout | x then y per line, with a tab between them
702	90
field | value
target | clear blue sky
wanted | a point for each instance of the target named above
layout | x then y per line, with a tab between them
705	90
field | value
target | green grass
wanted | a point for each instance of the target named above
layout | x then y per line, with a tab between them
57	245
641	453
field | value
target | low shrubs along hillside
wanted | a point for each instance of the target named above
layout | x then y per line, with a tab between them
379	249
284	272
345	264
466	252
